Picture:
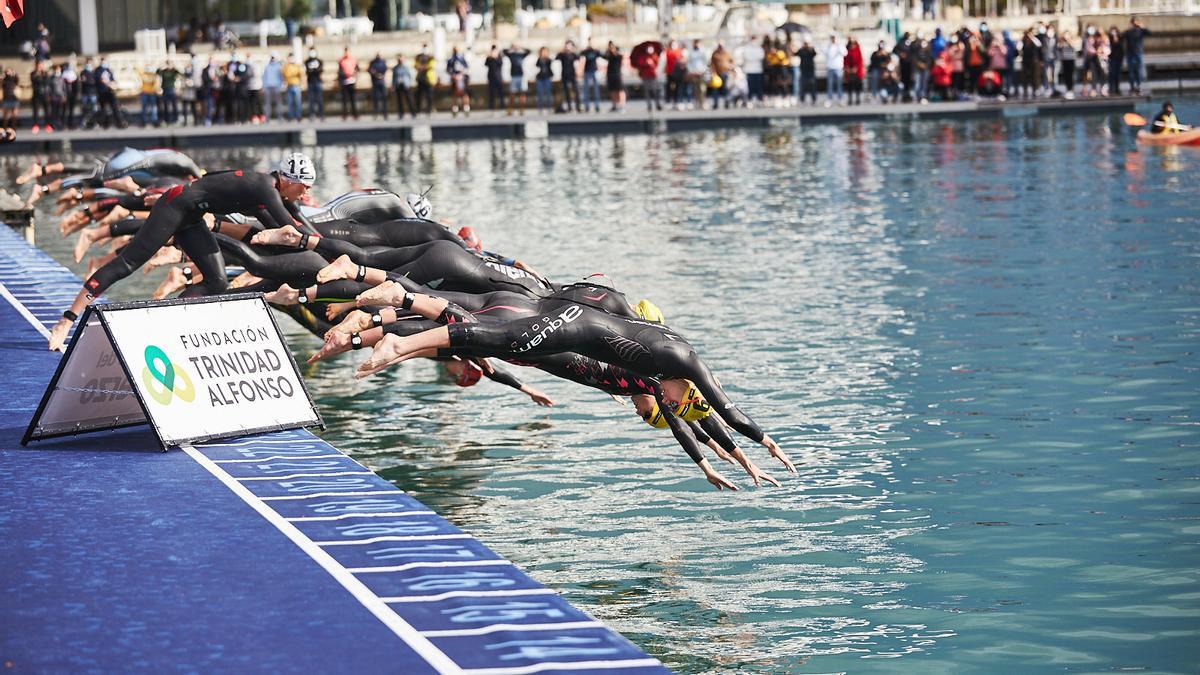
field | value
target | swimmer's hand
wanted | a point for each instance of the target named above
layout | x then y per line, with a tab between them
716	447
756	474
283	236
484	365
713	476
777	453
537	396
58	334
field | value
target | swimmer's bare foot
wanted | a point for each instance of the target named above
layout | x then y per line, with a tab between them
84	242
386	352
355	322
96	262
342	268
243	280
336	342
389	293
72	222
116	243
167	255
336	309
176	281
125	183
284	295
281	236
32	173
38	190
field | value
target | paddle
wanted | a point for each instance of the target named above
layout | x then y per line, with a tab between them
1136	120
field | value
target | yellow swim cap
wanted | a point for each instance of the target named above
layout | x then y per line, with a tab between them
649	311
693	408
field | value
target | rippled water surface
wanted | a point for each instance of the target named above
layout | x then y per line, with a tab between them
977	339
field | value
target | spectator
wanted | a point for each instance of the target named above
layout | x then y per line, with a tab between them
378	70
903	51
676	69
807	56
293	76
835	57
56	90
881	58
954	55
210	83
922	64
545	75
1031	65
189	90
87	93
721	64
347	80
1134	41
752	56
426	78
313	70
456	69
516	73
697	63
997	60
853	67
402	84
1116	59
149	96
1048	40
9	86
614	62
494	64
647	68
1011	49
70	80
252	78
168	76
272	82
567	65
39	96
591	81
1067	57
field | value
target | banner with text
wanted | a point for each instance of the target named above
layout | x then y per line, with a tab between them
199	369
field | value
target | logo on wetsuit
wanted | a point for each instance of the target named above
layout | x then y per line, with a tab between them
547	326
509	271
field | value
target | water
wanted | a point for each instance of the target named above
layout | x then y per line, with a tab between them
977	339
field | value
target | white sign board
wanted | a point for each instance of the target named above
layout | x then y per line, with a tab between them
197	370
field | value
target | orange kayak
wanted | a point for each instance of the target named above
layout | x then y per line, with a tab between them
1191	137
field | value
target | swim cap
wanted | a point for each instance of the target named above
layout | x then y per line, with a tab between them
419	205
297	168
649	311
693	408
467	234
469	375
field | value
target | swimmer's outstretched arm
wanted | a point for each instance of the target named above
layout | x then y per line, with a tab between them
737	420
715	428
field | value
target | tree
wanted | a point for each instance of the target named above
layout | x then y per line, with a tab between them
504	11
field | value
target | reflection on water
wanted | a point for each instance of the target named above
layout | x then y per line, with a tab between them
979	338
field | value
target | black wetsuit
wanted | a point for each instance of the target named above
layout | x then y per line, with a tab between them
650	349
160	167
179	214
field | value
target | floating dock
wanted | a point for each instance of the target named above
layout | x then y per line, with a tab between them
270	553
483	124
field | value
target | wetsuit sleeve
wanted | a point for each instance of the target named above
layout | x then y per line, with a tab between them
272	213
503	377
712	425
715	395
680	429
302	222
125	226
698	432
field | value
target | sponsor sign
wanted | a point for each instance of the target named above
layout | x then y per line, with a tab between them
195	370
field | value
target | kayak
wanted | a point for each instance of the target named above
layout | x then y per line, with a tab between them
1191	137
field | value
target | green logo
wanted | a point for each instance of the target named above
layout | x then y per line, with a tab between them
161	375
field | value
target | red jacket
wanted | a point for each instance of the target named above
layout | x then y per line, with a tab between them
853	62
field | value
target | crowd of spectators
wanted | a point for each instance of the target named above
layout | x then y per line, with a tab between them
771	70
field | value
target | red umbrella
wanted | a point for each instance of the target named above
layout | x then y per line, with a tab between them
11	10
643	50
